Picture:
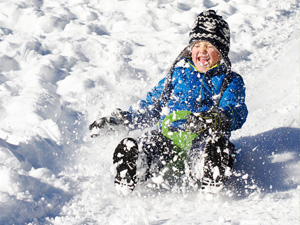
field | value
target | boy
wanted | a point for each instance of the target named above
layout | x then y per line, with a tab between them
197	106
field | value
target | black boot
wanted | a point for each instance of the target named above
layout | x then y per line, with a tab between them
125	158
218	162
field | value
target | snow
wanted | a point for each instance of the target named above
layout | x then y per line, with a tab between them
64	64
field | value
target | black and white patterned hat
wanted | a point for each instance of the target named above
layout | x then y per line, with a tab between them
214	29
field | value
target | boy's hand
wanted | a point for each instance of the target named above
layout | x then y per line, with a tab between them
206	122
104	125
109	124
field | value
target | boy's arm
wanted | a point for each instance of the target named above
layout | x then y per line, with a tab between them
139	116
233	103
144	114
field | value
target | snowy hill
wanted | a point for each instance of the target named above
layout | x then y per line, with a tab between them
65	63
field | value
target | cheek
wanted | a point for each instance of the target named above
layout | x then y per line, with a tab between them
214	54
194	54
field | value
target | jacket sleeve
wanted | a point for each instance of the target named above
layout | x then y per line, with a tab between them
233	102
144	114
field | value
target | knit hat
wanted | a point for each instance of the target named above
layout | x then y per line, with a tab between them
214	29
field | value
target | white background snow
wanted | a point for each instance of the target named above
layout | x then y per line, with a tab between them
65	63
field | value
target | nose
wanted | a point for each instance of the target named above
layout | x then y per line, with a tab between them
202	48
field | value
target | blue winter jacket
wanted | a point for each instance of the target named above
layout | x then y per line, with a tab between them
193	91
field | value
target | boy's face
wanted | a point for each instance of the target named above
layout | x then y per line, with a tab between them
205	56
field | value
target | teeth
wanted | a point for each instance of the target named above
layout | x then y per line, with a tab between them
200	58
203	59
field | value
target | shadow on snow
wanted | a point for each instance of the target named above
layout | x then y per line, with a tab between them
271	159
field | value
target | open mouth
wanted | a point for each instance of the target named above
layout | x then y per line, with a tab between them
203	61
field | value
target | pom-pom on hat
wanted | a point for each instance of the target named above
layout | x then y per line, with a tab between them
214	29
